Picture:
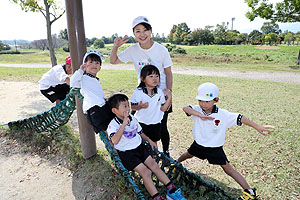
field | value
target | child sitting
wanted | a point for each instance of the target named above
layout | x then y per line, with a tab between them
55	83
209	135
126	134
94	103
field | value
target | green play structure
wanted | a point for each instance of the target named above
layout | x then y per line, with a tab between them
192	185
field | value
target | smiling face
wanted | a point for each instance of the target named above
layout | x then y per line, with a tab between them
92	67
142	35
122	110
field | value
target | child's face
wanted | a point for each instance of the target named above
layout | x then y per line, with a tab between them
142	35
123	110
68	69
151	80
92	67
207	106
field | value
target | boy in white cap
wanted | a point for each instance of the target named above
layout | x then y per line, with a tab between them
54	84
146	52
94	102
209	135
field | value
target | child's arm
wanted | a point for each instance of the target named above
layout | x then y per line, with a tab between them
191	111
117	136
139	106
77	76
153	144
259	128
117	43
168	102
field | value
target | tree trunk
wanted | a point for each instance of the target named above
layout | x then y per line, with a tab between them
298	62
49	36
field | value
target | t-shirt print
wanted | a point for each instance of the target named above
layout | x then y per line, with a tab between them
130	134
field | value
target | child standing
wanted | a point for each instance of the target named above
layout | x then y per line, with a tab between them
145	52
55	83
209	135
126	134
150	103
94	103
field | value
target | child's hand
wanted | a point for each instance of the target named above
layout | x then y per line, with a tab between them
204	117
83	67
120	41
126	118
263	129
153	144
144	105
168	93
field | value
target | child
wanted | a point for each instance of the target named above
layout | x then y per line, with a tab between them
209	135
150	103
94	103
55	83
126	134
145	52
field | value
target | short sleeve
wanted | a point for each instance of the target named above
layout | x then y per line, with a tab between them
162	98
75	80
232	119
111	129
61	74
134	98
167	61
196	108
125	56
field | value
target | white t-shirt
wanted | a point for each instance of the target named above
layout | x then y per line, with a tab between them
131	138
211	133
55	76
91	89
157	55
152	114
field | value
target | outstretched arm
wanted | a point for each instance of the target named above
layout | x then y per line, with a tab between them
191	111
117	43
259	128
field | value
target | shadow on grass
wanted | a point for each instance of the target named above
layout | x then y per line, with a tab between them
295	67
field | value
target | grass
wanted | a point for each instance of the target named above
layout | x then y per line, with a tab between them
271	163
218	57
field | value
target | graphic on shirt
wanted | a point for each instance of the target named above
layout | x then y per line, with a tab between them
217	122
141	64
130	134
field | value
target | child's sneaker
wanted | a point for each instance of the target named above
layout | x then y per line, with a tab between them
175	196
248	196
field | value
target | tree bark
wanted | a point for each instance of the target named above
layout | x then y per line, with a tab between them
298	62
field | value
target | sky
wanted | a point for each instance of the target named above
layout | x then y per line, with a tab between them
104	18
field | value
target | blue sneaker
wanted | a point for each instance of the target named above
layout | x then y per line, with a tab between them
175	196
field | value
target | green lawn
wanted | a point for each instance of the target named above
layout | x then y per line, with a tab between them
269	163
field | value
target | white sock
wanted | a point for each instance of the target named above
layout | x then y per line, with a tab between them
251	192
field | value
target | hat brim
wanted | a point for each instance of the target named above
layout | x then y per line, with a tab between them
201	98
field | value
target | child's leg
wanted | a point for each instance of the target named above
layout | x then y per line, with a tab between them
153	166
147	178
184	156
235	175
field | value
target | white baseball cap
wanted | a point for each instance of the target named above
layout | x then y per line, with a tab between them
92	52
140	19
207	92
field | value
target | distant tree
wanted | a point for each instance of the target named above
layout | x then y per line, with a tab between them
284	11
50	10
171	34
245	37
182	31
202	36
256	37
1	45
271	38
40	44
270	27
99	43
289	37
63	34
220	34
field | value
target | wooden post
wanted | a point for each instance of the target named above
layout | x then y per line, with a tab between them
77	43
298	62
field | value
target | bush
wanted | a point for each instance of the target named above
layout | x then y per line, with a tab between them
99	43
10	52
179	50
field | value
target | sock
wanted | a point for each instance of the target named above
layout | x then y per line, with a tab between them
171	187
157	196
167	153
252	192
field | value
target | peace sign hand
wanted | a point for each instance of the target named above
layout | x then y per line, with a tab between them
120	41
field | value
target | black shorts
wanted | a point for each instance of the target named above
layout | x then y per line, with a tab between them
59	92
100	117
153	131
214	155
132	158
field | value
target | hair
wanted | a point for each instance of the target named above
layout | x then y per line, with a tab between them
147	26
114	100
146	71
93	57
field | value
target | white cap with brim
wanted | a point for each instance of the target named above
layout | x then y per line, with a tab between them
139	20
207	92
92	52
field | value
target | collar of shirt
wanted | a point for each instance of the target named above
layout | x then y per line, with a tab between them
214	110
120	121
91	75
